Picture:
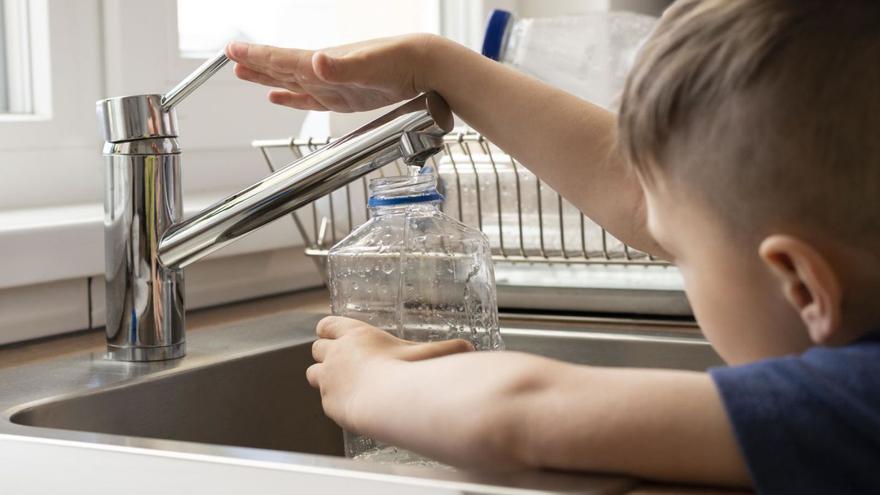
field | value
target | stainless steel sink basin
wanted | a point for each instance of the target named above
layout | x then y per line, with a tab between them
241	396
261	400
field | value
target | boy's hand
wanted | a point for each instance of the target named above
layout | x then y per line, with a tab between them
348	78
349	357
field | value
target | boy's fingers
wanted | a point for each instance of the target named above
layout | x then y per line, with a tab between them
437	349
340	69
247	74
313	374
325	328
319	349
291	99
253	55
247	54
235	50
333	327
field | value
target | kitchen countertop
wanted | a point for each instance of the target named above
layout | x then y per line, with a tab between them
315	300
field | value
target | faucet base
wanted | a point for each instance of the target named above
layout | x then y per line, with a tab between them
144	299
140	354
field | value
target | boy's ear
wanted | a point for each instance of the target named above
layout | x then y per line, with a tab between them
808	282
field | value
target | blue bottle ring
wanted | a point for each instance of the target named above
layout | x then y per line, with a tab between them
493	40
431	197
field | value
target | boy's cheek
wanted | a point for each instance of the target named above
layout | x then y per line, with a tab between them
717	299
740	312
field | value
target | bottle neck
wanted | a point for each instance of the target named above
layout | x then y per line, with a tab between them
422	206
394	193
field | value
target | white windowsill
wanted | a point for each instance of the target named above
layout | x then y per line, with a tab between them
53	264
23	117
42	245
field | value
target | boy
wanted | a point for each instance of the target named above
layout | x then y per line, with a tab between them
747	152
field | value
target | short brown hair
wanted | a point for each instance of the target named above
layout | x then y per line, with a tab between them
770	107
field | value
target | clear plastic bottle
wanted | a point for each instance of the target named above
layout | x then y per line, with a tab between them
417	273
588	55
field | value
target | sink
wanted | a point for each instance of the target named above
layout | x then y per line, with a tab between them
241	395
261	401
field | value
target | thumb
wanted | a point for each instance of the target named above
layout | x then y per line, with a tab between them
338	69
431	350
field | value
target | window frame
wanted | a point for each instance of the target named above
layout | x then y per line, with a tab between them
57	83
16	74
58	138
4	78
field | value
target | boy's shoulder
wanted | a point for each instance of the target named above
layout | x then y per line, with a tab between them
809	423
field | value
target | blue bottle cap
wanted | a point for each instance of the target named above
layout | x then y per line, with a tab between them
493	41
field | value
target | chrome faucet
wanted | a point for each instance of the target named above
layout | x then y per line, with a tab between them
147	242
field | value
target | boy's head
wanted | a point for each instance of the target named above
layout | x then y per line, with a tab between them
754	126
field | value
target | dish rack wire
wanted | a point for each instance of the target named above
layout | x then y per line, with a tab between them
461	166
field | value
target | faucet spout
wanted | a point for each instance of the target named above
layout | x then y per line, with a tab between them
411	132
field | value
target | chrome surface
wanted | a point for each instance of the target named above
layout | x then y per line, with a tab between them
147	243
412	132
193	81
126	118
145	310
241	398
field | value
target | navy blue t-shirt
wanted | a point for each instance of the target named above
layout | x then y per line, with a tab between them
809	423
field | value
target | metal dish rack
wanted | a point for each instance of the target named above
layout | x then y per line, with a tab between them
547	254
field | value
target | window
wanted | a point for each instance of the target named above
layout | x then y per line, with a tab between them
297	23
16	94
4	97
48	128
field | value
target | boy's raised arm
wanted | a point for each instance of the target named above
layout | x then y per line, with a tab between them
567	142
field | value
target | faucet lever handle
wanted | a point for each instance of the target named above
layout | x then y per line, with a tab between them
193	81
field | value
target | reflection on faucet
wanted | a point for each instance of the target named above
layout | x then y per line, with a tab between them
146	243
412	132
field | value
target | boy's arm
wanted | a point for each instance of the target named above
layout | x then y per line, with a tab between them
513	410
567	142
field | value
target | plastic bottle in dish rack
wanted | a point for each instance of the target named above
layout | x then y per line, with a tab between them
417	273
588	55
